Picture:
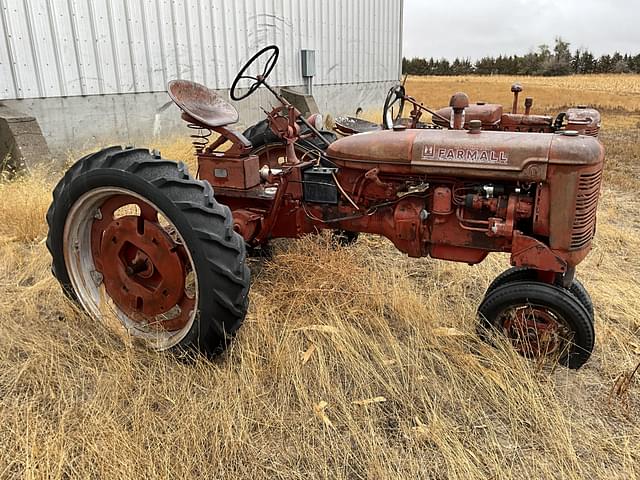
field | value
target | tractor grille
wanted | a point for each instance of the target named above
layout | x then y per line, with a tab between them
584	222
592	131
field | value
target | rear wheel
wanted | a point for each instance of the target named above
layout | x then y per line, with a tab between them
135	238
541	321
271	151
516	274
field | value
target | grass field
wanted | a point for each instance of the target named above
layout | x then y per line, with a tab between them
353	363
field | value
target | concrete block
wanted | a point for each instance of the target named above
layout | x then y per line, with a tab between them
22	145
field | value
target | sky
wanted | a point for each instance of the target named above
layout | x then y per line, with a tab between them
474	28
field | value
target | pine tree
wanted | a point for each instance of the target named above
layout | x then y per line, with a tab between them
544	61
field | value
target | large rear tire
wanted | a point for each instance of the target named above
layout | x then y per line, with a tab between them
136	237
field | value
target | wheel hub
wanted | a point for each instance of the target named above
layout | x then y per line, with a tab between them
534	331
144	270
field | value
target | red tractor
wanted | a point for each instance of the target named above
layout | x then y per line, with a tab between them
139	237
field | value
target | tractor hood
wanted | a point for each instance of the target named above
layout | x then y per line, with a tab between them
497	155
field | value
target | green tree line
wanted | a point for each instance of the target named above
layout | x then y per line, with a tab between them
545	61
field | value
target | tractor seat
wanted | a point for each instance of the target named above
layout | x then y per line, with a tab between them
202	104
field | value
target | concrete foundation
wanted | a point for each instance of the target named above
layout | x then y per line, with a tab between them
77	124
22	144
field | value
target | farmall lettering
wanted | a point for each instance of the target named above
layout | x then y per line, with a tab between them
465	155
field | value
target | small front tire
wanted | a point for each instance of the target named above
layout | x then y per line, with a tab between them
519	274
540	320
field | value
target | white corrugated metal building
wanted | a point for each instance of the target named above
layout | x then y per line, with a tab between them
94	69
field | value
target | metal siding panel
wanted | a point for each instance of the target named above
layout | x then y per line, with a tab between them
371	46
226	39
278	38
378	46
238	9
349	57
215	52
123	61
66	40
203	40
255	35
135	46
99	73
57	54
63	42
381	45
18	45
154	48
368	45
181	54
191	15
75	42
144	24
165	31
335	38
321	56
221	54
398	37
86	48
7	86
42	46
104	47
74	47
326	45
292	25
34	50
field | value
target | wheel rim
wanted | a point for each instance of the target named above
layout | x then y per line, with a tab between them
125	258
535	331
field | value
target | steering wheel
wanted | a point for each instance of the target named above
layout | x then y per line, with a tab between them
396	95
272	51
558	122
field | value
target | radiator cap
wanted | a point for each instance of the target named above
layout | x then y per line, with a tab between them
475	126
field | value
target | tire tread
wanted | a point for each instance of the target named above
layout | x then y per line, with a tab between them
212	224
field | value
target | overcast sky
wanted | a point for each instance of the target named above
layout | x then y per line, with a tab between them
473	28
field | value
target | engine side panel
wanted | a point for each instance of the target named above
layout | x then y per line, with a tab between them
483	155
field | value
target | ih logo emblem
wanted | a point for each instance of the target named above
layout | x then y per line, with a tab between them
466	155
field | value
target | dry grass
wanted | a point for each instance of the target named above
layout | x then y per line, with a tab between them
607	92
366	368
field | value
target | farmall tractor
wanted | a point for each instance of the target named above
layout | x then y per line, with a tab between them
139	237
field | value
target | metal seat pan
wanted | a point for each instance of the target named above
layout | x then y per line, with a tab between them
202	104
351	125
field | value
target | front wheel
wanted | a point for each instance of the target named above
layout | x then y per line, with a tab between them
541	321
519	274
135	238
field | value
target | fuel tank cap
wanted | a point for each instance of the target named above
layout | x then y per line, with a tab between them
570	133
475	126
399	128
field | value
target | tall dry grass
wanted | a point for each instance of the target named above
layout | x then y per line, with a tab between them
353	363
607	92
